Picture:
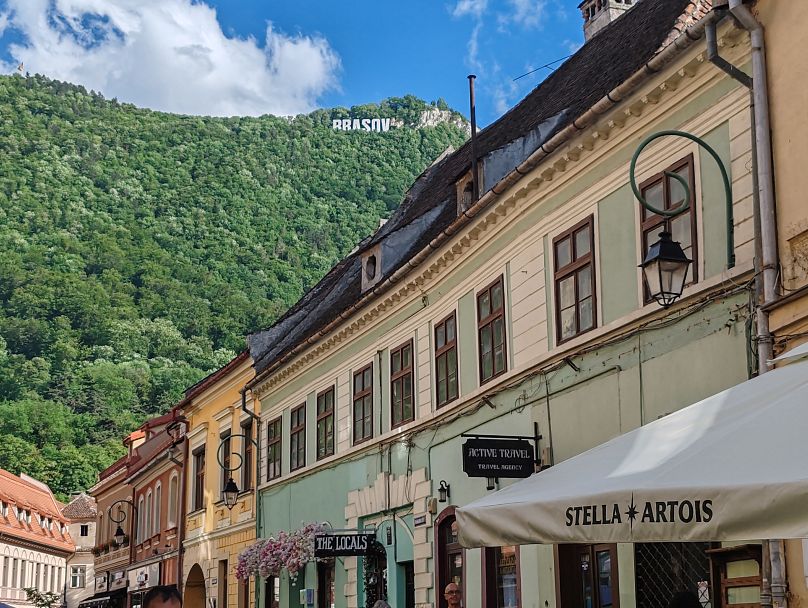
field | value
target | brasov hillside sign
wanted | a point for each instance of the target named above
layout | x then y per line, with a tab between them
380	125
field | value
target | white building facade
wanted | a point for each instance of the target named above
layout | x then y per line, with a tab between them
81	513
35	542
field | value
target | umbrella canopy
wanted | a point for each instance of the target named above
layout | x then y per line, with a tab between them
731	467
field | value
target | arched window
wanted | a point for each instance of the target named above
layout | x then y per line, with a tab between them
450	555
158	499
141	514
173	487
149	513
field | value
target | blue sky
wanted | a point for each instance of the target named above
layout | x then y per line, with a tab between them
248	57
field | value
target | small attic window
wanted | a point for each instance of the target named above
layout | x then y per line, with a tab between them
371	267
465	191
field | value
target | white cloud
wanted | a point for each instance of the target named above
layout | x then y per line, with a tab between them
527	14
475	8
171	55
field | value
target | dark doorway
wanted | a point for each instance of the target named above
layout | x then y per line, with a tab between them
272	592
325	584
409	584
587	576
375	574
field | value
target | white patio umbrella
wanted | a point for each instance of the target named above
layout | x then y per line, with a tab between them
731	467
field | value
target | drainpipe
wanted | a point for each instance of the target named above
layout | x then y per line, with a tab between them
773	579
255	472
182	513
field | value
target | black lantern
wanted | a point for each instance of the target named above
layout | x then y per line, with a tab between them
120	536
443	491
665	270
490	483
230	493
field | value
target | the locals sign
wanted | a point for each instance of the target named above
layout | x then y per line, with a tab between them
333	545
507	458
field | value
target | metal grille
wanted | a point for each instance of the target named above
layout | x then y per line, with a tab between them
664	570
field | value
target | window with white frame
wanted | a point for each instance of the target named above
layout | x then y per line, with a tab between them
173	487
141	514
158	499
149	512
78	575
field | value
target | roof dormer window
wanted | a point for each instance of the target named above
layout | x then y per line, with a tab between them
465	191
371	267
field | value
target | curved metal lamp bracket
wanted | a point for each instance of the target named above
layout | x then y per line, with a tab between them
682	208
240	462
121	511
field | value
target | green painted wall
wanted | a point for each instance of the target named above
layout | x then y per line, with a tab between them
617	253
618	387
713	206
467	343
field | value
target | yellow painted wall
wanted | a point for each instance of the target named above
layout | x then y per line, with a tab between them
786	38
208	535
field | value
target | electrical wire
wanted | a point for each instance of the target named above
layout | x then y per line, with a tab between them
541	67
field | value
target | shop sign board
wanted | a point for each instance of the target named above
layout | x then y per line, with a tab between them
144	577
507	458
101	583
334	545
117	580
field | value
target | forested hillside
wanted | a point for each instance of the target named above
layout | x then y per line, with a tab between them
138	248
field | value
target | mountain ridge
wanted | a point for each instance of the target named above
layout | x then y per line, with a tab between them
138	248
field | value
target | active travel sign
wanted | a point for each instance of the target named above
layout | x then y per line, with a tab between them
498	458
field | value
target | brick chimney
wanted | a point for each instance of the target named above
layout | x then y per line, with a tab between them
598	14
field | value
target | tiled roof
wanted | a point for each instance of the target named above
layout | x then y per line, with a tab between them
602	64
27	494
81	507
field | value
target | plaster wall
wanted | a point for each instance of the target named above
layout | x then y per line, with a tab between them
786	37
630	369
22	567
214	533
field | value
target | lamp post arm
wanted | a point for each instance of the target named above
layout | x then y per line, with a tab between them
133	525
219	454
682	208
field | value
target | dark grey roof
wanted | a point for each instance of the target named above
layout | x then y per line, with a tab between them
598	67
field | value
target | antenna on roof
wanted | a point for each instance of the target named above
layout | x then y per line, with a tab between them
541	67
475	187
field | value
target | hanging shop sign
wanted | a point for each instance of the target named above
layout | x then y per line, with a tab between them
508	458
117	580
144	577
101	583
334	545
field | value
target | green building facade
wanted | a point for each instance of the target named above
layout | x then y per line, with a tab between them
473	335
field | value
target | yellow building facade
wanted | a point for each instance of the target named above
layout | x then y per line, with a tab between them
221	437
786	36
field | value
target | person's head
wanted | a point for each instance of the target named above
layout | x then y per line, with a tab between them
683	599
451	593
162	596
